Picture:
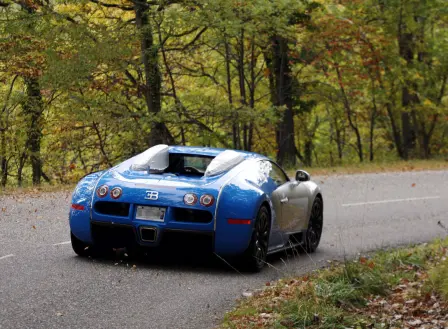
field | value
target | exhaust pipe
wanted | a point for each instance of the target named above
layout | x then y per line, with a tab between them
148	234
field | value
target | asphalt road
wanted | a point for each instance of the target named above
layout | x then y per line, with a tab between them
43	284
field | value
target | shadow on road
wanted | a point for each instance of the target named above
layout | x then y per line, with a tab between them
190	260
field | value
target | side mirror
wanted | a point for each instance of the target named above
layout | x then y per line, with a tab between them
302	176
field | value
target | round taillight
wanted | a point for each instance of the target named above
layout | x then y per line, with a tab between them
102	191
207	200
190	199
116	193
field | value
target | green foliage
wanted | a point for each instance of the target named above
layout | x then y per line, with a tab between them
439	278
350	293
349	77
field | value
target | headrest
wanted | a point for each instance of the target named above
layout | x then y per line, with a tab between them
155	158
223	162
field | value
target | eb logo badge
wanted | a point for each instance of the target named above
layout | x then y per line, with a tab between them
152	195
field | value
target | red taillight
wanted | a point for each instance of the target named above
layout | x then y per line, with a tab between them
77	206
239	221
102	191
116	193
190	199
207	200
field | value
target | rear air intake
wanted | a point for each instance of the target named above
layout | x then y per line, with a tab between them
148	234
112	208
192	215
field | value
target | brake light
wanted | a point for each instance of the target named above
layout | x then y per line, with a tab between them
116	193
102	191
190	199
239	221
207	200
77	206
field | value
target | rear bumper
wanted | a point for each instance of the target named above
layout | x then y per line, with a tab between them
116	231
123	235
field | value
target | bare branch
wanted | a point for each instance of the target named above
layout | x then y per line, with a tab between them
192	42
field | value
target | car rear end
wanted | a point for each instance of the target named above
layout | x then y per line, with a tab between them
132	205
157	212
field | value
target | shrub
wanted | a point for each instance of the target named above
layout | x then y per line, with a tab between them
439	278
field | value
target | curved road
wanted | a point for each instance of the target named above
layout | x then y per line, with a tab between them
44	285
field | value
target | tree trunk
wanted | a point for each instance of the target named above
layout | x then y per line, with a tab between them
350	115
33	108
153	81
252	86
235	127
408	132
179	106
283	98
242	85
373	116
406	45
22	161
3	159
308	153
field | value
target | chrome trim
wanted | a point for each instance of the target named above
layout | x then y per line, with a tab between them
148	228
114	189
94	192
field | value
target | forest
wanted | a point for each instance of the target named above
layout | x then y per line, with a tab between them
85	84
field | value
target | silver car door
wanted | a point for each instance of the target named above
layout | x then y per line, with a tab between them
292	199
280	196
295	209
259	173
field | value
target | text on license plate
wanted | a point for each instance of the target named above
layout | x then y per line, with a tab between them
150	213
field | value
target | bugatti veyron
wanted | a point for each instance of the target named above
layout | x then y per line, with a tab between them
239	203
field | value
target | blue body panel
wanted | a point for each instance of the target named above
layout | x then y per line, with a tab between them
238	194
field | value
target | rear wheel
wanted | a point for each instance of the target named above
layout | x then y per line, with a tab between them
314	231
84	250
80	248
255	256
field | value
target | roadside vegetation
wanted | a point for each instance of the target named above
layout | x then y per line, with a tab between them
376	167
367	167
401	288
85	84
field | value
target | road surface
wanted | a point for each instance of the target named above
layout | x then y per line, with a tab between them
43	284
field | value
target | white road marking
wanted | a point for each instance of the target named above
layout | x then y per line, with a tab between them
7	256
389	201
61	243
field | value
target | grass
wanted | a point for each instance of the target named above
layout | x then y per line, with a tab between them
439	278
370	292
377	167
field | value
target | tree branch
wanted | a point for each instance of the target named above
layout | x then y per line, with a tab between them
192	42
111	5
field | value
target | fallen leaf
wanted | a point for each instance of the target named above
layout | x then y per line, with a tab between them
247	294
415	322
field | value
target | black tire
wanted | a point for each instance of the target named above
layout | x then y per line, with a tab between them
80	248
315	226
254	258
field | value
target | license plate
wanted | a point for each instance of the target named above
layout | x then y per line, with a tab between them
155	214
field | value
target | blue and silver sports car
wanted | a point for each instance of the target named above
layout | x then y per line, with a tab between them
242	203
